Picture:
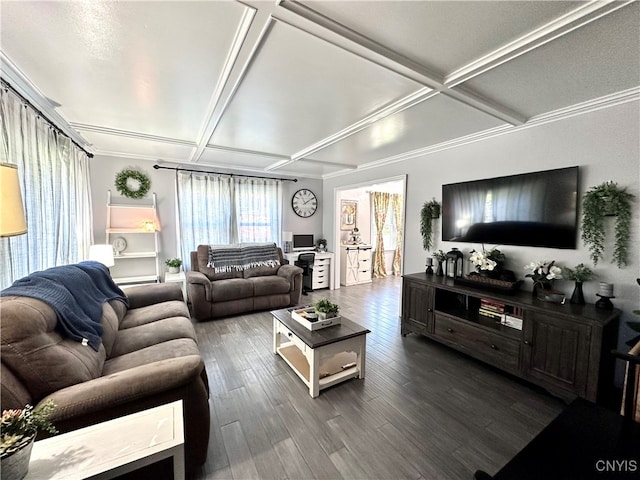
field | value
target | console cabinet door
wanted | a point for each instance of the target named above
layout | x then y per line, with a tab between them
417	308
556	353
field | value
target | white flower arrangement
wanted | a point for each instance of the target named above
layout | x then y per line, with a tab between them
543	272
487	259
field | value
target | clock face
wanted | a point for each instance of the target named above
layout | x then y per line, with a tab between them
304	203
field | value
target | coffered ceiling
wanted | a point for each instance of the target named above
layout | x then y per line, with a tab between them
312	89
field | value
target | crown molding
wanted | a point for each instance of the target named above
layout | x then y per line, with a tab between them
18	80
129	134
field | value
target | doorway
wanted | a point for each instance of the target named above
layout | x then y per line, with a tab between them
354	207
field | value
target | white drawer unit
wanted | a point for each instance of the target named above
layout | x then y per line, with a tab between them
321	272
355	264
322	277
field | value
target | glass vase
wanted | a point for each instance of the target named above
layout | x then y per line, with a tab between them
439	271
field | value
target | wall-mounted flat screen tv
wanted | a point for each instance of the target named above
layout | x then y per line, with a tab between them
536	209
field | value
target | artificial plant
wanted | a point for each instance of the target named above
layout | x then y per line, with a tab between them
430	211
600	201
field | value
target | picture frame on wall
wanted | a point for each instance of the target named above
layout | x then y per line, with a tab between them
348	214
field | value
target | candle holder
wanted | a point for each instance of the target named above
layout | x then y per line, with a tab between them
604	303
429	270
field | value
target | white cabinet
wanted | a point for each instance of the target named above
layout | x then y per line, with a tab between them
132	229
355	264
322	277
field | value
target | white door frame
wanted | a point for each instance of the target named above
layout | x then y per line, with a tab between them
336	217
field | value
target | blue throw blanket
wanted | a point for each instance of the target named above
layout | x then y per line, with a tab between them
76	293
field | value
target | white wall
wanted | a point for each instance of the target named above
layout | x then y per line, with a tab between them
103	173
604	143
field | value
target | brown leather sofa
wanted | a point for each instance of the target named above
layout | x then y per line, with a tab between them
148	356
239	290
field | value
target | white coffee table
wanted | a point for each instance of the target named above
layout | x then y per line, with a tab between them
304	350
112	448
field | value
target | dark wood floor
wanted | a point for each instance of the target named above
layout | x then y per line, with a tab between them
423	411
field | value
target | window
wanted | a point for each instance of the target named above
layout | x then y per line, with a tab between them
221	210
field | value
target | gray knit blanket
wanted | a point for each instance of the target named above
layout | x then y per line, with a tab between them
242	257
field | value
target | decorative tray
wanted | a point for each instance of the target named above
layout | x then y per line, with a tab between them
486	283
307	317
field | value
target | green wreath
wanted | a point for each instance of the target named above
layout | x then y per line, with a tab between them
142	180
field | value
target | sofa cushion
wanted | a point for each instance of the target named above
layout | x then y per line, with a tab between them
261	271
271	285
37	354
136	338
231	289
180	347
152	313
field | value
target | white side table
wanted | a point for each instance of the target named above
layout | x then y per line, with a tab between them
113	448
179	277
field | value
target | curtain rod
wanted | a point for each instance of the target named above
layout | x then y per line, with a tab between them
8	86
178	169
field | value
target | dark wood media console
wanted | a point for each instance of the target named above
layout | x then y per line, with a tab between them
562	348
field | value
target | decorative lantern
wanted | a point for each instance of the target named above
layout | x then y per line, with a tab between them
453	266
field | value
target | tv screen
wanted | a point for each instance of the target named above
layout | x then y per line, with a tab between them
303	241
533	209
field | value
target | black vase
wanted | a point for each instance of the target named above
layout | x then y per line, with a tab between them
439	271
577	296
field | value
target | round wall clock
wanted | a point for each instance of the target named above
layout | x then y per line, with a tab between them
304	203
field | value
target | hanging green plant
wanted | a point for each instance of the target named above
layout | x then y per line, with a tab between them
132	183
606	199
430	211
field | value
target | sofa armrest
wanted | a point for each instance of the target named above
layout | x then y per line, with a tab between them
199	278
145	295
132	385
289	272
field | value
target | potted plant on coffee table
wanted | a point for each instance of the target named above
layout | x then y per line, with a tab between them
325	309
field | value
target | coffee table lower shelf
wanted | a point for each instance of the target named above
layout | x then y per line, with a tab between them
320	359
298	363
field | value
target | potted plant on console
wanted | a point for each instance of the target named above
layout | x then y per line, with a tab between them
579	274
325	309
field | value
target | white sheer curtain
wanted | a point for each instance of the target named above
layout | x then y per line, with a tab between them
204	210
220	210
258	210
54	176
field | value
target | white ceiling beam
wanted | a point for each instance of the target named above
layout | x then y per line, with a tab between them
584	14
222	93
314	23
402	104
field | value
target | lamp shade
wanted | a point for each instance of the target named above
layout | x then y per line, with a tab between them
102	254
287	236
12	220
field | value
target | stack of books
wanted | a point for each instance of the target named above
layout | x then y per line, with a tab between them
491	308
512	317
